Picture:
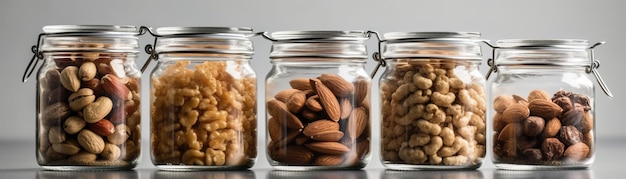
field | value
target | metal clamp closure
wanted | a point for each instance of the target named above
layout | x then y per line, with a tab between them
376	55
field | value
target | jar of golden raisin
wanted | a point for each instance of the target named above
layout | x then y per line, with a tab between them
317	100
203	99
542	111
88	97
432	101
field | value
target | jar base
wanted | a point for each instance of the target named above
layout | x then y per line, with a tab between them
317	168
504	166
396	166
88	168
182	168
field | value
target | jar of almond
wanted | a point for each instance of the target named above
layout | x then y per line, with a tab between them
432	101
88	97
542	112
317	100
203	99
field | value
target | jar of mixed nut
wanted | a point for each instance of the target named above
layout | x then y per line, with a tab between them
542	111
203	102
317	100
432	101
88	97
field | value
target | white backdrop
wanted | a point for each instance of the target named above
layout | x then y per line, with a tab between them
21	22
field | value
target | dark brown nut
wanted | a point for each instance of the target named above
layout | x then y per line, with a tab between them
588	123
65	62
552	149
533	126
564	102
94	84
59	94
54	114
577	152
524	143
569	135
573	116
532	154
53	79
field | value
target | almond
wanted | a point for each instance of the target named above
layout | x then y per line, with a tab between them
279	111
102	127
328	147
510	132
328	101
538	94
577	152
544	108
115	88
328	136
515	113
284	95
552	128
498	123
301	140
357	122
292	155
274	129
500	103
329	160
337	85
300	84
345	105
289	137
320	126
296	102
313	103
361	90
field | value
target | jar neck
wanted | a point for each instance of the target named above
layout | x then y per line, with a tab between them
203	57
337	50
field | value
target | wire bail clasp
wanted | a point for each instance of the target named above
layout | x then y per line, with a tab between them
491	61
592	68
37	56
150	48
376	55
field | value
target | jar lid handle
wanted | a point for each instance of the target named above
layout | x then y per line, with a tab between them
37	56
377	56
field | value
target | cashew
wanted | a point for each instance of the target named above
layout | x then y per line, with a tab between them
462	121
435	144
467	132
456	83
419	139
466	99
403	91
427	127
412	155
449	151
455	160
419	97
434	159
434	114
444	100
414	114
447	134
442	85
421	82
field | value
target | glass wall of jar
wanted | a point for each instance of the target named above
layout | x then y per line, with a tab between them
88	97
433	101
543	109
203	102
317	99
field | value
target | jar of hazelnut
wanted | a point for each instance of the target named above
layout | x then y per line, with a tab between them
433	102
88	97
203	99
542	112
317	100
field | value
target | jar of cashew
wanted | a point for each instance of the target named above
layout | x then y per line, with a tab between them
542	99
203	99
317	100
432	101
88	97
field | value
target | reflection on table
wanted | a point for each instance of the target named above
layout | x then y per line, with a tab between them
229	174
550	174
332	174
433	174
122	174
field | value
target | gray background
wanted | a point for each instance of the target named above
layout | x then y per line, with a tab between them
21	22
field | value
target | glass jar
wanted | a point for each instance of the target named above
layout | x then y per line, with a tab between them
203	102
88	97
317	99
432	101
543	104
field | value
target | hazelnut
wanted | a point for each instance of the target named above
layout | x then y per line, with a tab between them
533	126
573	116
552	149
564	102
569	135
532	154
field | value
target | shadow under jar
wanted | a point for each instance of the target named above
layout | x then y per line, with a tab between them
203	102
543	104
432	101
317	99
88	99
